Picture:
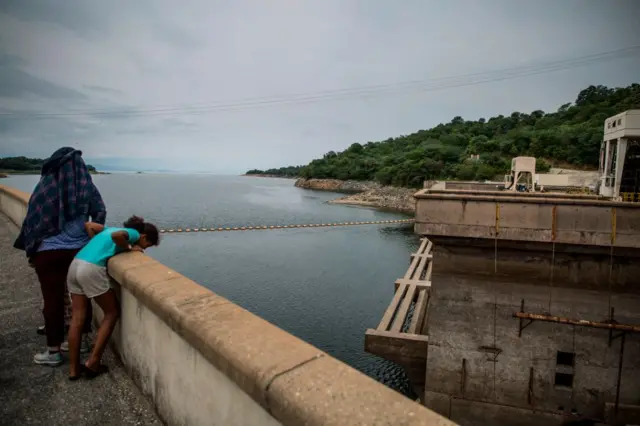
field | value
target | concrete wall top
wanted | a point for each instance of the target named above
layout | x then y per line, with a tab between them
294	381
556	198
541	218
20	196
13	204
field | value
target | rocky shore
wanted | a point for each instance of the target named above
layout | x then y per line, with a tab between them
267	176
369	194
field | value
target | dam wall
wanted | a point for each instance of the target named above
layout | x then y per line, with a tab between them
569	265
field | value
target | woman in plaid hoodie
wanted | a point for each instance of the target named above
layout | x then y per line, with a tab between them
53	232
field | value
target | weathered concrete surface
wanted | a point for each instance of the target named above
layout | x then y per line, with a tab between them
36	395
478	366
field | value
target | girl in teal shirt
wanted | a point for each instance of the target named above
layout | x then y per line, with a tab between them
88	279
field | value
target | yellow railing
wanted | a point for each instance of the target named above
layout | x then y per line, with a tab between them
633	197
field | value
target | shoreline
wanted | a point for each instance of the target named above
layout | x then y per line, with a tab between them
7	173
269	176
365	194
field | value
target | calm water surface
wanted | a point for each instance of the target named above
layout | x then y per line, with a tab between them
326	286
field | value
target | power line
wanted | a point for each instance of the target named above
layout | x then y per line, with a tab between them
428	85
355	92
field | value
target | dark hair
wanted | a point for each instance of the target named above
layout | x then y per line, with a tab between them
148	229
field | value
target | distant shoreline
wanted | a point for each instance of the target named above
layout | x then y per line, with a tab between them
7	173
268	176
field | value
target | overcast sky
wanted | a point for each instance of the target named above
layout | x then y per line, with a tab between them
152	60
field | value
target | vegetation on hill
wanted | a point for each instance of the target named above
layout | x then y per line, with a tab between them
27	165
481	149
291	171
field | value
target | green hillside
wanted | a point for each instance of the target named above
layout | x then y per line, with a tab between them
291	171
569	136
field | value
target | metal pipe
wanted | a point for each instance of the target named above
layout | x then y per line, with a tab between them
583	323
530	393
619	373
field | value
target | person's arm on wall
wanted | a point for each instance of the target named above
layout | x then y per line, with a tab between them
121	239
93	228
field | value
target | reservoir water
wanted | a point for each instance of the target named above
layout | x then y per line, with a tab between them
325	286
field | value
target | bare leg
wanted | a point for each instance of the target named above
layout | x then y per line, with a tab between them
109	305
79	311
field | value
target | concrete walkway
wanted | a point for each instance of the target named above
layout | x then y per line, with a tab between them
36	395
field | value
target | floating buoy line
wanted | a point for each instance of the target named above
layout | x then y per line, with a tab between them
270	227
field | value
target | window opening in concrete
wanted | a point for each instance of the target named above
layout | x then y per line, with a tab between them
565	358
564	380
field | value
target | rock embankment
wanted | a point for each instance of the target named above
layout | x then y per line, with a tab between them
369	194
335	185
267	176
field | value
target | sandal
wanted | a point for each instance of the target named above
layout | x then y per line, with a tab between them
74	378
90	373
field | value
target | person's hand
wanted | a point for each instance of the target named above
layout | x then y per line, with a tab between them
137	248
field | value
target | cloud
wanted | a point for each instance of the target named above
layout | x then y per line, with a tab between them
84	19
15	83
102	90
12	61
146	79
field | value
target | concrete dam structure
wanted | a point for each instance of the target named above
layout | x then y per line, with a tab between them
531	306
523	289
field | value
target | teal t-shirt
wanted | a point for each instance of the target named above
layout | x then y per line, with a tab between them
101	247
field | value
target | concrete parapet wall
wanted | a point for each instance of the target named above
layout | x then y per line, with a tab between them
13	203
203	360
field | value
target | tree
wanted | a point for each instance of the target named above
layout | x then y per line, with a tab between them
457	120
330	154
291	171
355	148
